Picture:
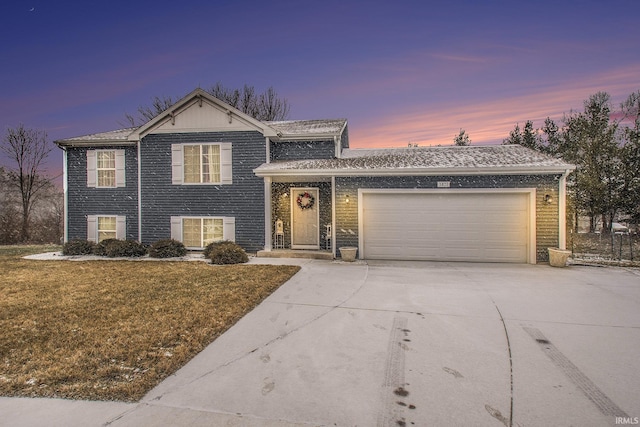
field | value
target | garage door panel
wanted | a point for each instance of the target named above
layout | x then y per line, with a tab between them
453	227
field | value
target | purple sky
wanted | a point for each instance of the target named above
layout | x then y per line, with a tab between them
400	72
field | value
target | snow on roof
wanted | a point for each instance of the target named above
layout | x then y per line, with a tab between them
489	157
114	136
308	127
288	128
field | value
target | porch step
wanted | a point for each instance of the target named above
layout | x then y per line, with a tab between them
295	253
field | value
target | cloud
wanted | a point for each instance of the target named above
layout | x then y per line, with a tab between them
489	122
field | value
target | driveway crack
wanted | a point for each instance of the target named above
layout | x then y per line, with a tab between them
506	333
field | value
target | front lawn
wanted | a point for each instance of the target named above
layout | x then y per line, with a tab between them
112	330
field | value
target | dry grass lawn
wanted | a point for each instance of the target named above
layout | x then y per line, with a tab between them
112	330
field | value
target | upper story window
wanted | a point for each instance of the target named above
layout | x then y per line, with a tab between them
105	168
201	163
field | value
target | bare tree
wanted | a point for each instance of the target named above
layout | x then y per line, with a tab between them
9	211
266	106
27	148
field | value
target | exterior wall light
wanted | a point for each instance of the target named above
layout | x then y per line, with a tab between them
346	199
548	199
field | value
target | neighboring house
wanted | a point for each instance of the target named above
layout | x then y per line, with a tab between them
203	171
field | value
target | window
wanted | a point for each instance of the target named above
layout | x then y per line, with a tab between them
198	232
201	164
101	227
105	168
106	228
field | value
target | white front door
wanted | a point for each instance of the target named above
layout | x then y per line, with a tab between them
305	233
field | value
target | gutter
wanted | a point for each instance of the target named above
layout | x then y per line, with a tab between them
412	171
139	193
73	144
65	195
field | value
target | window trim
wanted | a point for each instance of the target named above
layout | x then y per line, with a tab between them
92	168
228	228
93	232
201	165
99	169
178	169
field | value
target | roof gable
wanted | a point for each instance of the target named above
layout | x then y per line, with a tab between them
308	129
197	112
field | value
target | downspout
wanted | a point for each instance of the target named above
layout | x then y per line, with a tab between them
139	192
562	210
268	148
333	216
65	193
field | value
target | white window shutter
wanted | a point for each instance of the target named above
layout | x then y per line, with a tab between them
120	176
92	228
226	169
176	228
121	227
91	169
176	164
229	228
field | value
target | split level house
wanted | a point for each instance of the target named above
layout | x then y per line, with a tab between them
204	171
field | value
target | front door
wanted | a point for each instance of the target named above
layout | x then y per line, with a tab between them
305	233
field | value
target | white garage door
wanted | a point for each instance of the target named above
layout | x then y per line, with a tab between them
483	227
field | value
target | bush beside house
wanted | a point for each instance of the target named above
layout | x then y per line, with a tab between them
167	248
222	253
225	252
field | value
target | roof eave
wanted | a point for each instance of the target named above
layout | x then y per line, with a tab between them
415	171
86	143
307	137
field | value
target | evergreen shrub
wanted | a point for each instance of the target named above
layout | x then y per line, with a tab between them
167	248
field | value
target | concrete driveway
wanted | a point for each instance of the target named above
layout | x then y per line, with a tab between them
404	343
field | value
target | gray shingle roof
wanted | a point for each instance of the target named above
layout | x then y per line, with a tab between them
474	159
301	128
114	136
288	129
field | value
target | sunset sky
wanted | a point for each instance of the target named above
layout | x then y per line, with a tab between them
400	72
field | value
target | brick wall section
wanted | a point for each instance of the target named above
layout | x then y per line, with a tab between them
546	214
281	207
244	199
83	201
301	150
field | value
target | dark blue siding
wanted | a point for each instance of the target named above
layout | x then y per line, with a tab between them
83	201
244	199
301	150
